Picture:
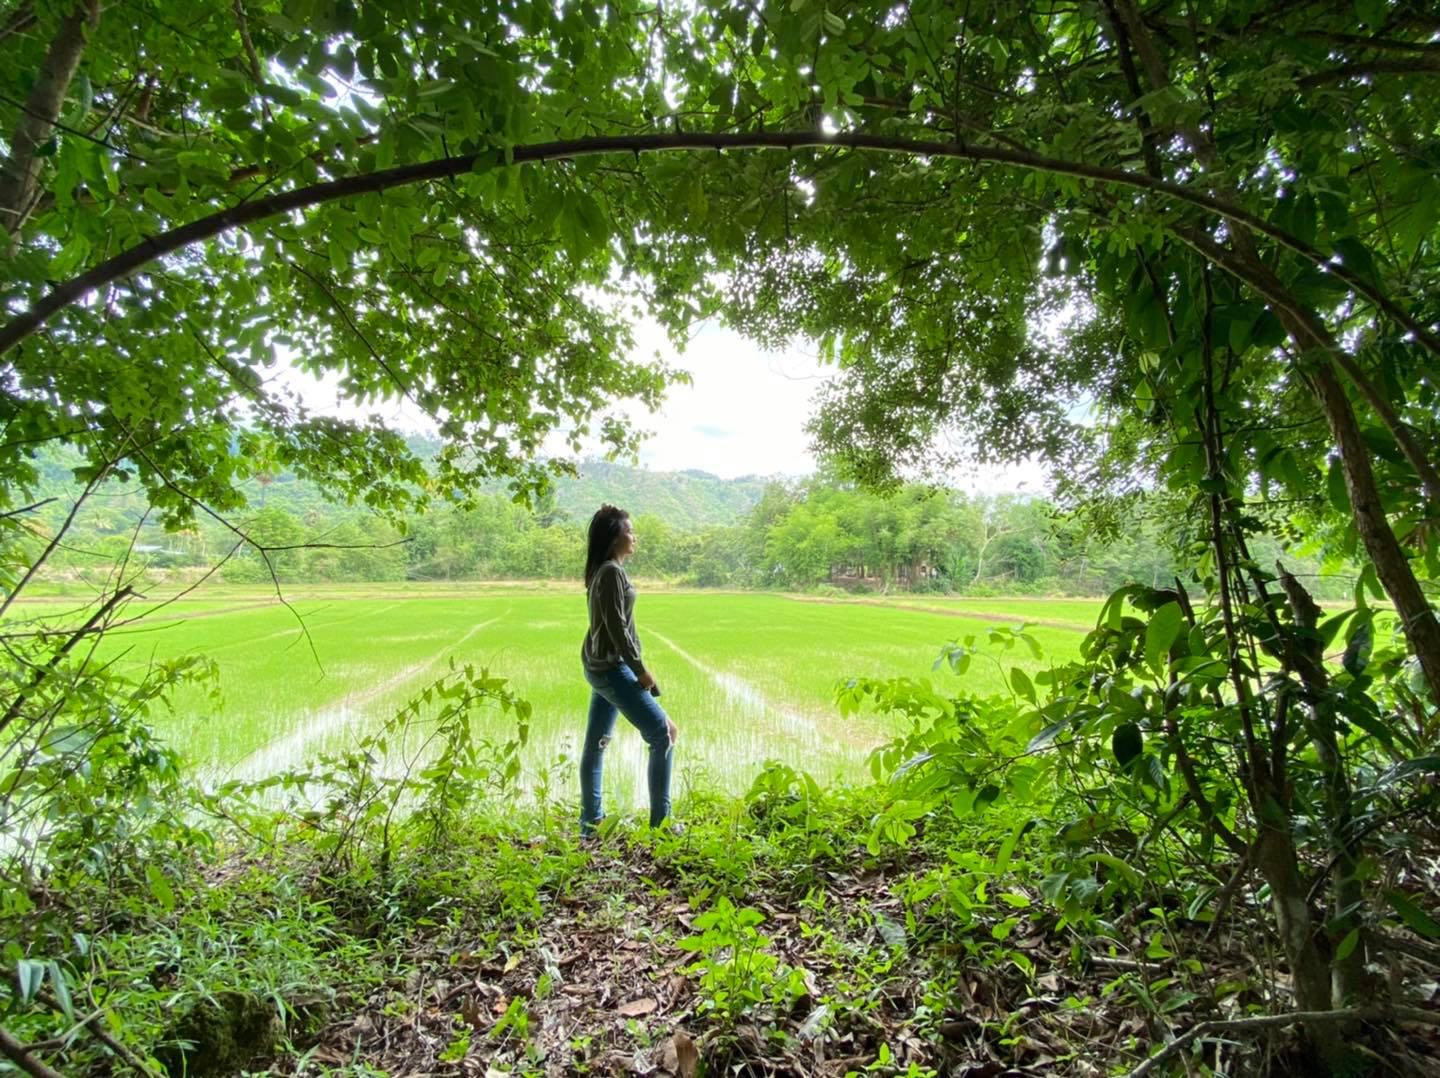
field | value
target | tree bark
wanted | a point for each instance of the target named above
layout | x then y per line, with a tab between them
1313	340
1276	859
1403	434
1305	656
1417	619
14	1051
20	174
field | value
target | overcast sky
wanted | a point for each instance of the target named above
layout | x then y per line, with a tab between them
743	414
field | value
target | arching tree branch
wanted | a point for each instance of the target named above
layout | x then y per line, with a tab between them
129	261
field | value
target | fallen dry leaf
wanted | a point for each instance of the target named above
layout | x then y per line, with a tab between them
680	1056
636	1007
472	1014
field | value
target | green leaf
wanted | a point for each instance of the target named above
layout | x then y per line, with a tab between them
1053	886
1157	949
1357	651
1368	580
1347	945
1336	489
1047	735
228	96
1242	330
282	95
157	201
1007	848
160	887
1372	13
572	228
1419	766
1126	743
1375	727
1119	867
697	202
1356	257
1418	920
1020	682
1165	627
62	989
1151	772
29	976
1269	331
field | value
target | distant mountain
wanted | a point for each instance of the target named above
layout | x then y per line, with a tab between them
685	500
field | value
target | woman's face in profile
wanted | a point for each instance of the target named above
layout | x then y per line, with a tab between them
625	542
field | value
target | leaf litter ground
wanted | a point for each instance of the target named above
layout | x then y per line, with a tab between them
594	980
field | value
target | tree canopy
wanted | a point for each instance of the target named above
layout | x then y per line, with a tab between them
1186	244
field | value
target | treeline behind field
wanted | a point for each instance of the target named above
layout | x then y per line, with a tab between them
694	529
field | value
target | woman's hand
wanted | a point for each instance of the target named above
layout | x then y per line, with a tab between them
674	730
647	680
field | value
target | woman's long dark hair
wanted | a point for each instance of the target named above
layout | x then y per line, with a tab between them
605	528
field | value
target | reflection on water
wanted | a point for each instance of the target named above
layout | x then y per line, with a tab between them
315	734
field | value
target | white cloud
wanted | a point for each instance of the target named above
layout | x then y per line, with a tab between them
743	413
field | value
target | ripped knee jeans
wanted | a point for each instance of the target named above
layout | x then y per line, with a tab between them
618	692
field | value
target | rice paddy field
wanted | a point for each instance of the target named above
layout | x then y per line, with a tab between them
748	677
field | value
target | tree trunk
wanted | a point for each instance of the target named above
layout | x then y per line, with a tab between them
36	125
1417	619
1306	657
1399	429
1309	971
1313	340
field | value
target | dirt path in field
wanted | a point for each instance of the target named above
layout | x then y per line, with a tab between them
973	615
291	749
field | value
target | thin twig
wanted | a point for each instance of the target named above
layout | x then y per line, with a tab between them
89	1024
256	72
1279	1021
90	487
27	508
261	548
41	673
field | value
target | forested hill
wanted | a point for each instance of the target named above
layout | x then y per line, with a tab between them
683	500
696	528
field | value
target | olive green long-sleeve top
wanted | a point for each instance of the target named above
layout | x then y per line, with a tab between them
612	638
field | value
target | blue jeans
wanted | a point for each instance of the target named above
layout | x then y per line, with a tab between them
618	691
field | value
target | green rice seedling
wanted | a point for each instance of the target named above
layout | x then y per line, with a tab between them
749	678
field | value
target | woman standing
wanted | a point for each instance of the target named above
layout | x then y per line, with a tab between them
618	679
